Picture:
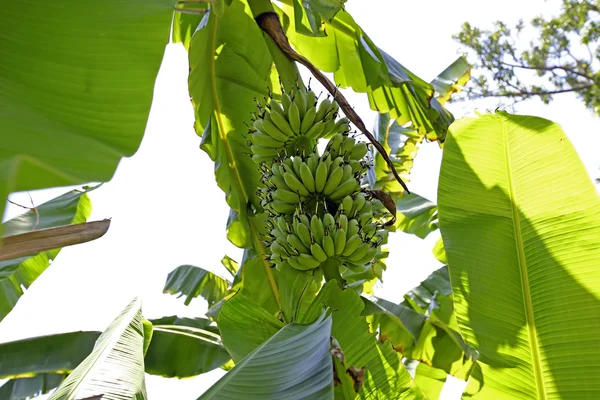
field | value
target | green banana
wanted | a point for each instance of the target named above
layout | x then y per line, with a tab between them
295	263
359	151
295	242
300	101
329	221
282	224
262	139
263	151
311	99
307	178
296	164
286	196
304	234
270	129
340	241
317	252
333	181
371	253
308	261
283	208
353	228
328	246
343	222
305	220
312	163
261	159
294	118
283	125
351	245
347	146
359	253
280	182
346	188
322	109
317	229
315	131
308	120
295	184
276	107
347	172
285	102
320	176
347	204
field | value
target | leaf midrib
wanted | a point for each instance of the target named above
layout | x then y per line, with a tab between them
233	165
522	262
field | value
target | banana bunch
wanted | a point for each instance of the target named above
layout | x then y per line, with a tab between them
310	181
282	128
306	242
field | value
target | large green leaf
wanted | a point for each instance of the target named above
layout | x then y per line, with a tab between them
184	347
244	325
295	363
230	66
385	375
190	281
452	79
430	380
18	274
59	353
27	388
115	368
77	83
520	220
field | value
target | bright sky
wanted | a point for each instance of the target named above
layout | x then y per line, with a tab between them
167	210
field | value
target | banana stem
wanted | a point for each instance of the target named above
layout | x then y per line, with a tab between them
331	271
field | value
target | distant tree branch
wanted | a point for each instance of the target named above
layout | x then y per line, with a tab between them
526	93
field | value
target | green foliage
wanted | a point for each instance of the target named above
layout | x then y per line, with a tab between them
564	55
115	367
521	237
192	282
294	363
73	207
74	100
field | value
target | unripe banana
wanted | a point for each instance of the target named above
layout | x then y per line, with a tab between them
356	268
320	176
275	249
283	208
358	203
315	131
359	253
340	241
359	151
300	101
365	218
367	208
282	224
347	146
276	107
281	123
333	181
329	221
316	228
296	164
312	163
311	99
307	178
278	234
351	245
296	243
343	222
285	102
347	203
322	109
263	151
353	228
317	252
357	166
270	129
280	182
305	220
262	139
334	108
368	257
308	120
308	261
347	172
294	118
335	143
295	263
328	246
342	123
304	234
295	184
347	187
286	196
261	159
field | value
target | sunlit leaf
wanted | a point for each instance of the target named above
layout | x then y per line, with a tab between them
191	281
522	237
70	113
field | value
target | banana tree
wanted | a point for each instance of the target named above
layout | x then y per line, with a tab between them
314	196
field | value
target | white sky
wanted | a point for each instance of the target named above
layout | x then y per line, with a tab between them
167	210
